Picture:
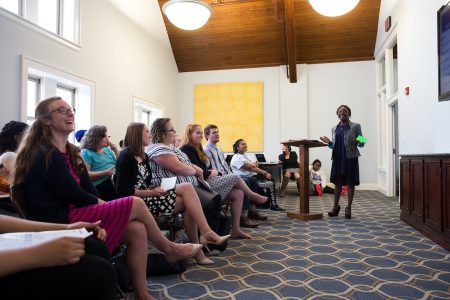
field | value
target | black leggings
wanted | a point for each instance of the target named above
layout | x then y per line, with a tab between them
93	277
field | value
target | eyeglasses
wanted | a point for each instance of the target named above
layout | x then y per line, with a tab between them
63	110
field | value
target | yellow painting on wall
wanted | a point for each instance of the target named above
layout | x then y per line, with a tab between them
236	108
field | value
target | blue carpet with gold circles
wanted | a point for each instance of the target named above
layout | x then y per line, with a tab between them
372	256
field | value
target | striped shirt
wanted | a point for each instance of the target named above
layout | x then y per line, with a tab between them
217	158
159	172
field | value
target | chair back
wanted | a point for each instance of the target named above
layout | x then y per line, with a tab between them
18	200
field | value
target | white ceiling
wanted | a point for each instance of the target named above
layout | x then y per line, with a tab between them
147	15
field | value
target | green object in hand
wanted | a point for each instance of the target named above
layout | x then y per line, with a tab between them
361	139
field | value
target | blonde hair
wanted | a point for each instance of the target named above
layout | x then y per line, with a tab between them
187	140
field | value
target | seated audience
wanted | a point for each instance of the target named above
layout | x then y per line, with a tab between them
57	189
290	168
99	156
134	179
167	161
218	161
318	180
64	268
229	186
242	165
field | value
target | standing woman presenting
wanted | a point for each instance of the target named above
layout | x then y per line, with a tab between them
345	168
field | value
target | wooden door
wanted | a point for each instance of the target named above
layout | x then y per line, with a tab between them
432	193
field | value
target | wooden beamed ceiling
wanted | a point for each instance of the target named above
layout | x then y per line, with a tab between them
254	33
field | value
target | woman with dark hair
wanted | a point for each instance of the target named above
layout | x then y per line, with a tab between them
229	186
242	165
10	138
57	189
134	178
289	160
99	156
345	168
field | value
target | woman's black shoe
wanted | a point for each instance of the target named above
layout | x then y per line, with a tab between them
334	213
348	213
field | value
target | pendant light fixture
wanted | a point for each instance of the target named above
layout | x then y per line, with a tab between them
187	14
333	8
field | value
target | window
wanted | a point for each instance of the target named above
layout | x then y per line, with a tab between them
146	112
55	17
43	82
67	93
33	96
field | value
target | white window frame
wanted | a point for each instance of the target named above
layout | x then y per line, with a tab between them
387	97
22	21
140	104
37	96
84	90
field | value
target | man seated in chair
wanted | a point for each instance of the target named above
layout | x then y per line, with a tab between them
218	162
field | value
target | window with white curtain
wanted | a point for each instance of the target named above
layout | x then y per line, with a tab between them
57	17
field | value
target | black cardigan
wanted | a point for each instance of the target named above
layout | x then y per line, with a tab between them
50	191
193	156
290	163
126	172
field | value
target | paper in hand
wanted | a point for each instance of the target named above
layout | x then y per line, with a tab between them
18	240
168	183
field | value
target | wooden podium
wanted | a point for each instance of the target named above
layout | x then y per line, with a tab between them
304	146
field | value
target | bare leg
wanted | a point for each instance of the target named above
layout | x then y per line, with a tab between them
188	200
135	236
236	196
249	193
140	213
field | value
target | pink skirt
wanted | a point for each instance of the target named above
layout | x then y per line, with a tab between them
113	214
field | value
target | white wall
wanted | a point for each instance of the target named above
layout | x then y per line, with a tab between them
423	120
120	57
305	109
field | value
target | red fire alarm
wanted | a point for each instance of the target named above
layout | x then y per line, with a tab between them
387	24
407	91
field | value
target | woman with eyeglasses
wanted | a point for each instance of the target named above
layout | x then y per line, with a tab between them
134	178
168	161
57	189
99	156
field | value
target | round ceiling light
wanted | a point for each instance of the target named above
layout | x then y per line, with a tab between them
187	14
333	8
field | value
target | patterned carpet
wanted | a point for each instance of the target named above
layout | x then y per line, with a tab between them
372	256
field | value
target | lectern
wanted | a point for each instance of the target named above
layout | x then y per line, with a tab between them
304	146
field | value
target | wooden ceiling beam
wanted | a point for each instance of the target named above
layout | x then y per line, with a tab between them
290	39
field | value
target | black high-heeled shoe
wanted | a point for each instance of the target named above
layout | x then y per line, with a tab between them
334	213
348	213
